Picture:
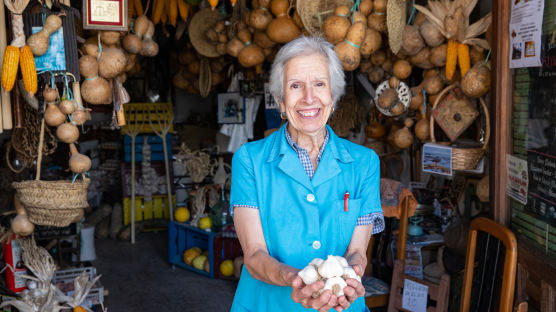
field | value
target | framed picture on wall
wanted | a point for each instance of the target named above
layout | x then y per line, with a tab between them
105	14
231	108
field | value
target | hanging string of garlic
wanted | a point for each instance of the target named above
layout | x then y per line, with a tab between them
196	162
334	271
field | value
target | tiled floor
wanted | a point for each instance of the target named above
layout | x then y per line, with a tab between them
139	278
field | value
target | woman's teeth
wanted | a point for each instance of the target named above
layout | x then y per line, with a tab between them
308	113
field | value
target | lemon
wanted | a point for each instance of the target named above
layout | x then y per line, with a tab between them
199	262
205	223
181	214
227	267
190	254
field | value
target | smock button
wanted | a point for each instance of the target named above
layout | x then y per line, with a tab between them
316	244
311	198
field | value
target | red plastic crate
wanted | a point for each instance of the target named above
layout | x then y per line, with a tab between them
225	248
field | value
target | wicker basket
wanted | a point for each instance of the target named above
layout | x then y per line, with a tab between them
52	203
463	158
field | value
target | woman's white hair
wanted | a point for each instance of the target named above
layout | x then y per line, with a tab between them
303	46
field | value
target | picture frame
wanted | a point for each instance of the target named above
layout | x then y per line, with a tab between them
105	15
62	55
231	108
437	159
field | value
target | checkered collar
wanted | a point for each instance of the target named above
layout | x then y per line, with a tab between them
300	151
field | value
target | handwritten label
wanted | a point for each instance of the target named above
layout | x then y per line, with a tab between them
517	178
542	190
414	296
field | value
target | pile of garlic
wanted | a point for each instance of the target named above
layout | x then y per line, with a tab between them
333	271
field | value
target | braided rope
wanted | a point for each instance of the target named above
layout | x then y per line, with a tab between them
25	140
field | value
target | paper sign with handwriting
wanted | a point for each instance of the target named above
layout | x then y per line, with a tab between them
414	296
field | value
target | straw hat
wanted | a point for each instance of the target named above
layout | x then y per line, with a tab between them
314	12
200	23
395	20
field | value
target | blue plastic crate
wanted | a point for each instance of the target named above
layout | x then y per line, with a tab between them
157	150
182	236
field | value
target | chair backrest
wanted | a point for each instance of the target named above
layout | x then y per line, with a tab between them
402	237
507	238
438	293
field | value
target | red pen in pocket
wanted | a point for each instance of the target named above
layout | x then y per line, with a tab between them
346	199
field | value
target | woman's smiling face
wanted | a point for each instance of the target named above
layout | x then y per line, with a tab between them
307	99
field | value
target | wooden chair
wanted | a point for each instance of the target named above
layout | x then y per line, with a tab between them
376	290
438	293
506	237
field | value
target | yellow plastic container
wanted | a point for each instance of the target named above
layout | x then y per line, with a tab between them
157	208
140	113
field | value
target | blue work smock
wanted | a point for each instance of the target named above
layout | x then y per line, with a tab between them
302	219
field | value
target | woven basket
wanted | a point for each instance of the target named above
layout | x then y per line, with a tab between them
52	203
463	158
314	12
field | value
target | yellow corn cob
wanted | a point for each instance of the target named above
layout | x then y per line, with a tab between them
451	58
184	9
158	10
164	17
173	12
9	67
463	58
131	9
28	70
138	7
213	4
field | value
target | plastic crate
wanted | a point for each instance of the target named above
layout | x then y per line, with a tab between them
63	279
157	208
225	248
157	149
182	236
138	114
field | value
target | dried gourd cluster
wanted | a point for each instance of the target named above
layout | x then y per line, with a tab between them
334	271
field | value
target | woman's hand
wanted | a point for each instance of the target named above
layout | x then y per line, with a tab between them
303	294
352	291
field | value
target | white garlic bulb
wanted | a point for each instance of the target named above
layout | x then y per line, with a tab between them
331	267
316	262
309	275
336	285
342	261
31	284
350	273
35	293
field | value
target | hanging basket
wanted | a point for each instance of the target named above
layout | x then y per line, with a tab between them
52	203
463	158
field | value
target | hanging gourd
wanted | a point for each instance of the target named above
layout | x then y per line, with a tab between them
78	163
403	137
260	18
348	50
282	29
251	54
38	42
335	27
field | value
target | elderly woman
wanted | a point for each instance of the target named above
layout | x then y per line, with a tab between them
289	190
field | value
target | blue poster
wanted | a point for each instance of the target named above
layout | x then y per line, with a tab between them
55	56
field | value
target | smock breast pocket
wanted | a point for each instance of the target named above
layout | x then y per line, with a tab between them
348	219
